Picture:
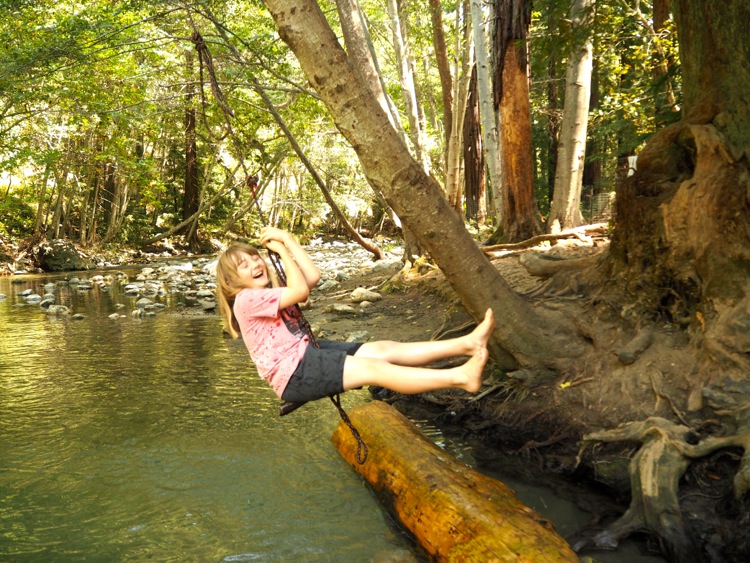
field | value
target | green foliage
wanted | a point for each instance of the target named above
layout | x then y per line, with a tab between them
16	216
94	96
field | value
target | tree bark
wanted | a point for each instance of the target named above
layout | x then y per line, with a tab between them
415	196
682	219
491	137
521	219
443	64
463	70
566	203
474	183
359	48
454	512
38	222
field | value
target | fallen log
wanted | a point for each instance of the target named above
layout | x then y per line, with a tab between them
454	512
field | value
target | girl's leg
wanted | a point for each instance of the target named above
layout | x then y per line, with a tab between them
423	353
360	371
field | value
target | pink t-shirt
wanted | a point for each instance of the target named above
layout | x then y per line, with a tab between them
274	339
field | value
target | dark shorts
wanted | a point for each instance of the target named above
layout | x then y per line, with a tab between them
321	371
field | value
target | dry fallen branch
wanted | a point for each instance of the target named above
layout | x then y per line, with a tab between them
581	233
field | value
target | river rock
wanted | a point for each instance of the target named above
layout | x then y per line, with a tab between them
57	310
341	309
328	285
59	255
386	265
362	336
361	294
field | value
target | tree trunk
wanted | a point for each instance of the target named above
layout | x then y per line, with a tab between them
38	223
443	64
566	204
405	66
454	512
415	196
360	49
491	138
190	195
463	70
474	184
592	168
682	220
680	248
521	218
553	121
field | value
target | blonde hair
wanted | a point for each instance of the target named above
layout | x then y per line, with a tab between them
229	284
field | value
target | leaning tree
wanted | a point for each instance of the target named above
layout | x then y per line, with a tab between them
650	341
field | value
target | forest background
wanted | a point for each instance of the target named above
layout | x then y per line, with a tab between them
133	123
110	132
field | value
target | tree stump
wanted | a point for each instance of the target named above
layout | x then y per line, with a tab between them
454	512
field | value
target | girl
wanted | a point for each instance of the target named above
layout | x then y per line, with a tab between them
298	371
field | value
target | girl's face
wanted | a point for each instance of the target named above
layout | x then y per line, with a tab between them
252	271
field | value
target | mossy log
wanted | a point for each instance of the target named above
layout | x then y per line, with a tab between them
454	512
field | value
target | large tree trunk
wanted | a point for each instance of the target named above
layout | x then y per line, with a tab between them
455	513
521	219
683	219
415	196
680	252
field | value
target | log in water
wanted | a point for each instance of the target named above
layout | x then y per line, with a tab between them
454	512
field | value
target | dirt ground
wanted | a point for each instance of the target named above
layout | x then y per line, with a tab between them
416	305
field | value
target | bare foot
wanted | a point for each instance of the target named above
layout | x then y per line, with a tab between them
478	338
471	371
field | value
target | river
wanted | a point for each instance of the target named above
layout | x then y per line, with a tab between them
152	438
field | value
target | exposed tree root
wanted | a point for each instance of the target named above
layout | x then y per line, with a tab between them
655	472
542	265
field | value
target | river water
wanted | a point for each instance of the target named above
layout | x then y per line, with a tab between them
135	439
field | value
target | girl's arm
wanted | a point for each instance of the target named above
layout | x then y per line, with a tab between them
309	270
296	289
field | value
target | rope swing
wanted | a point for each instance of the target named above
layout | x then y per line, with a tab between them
205	59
